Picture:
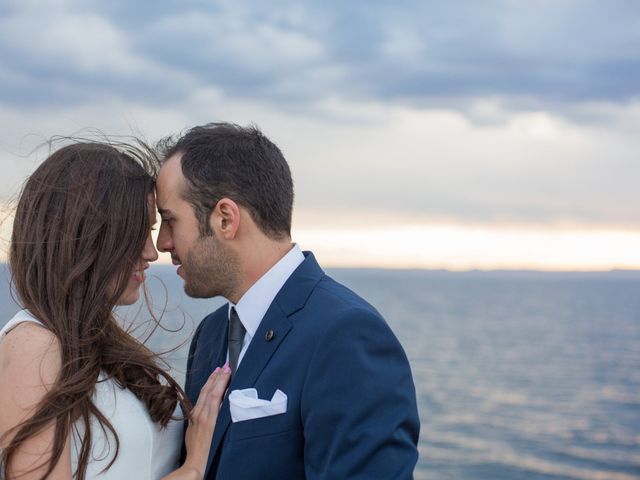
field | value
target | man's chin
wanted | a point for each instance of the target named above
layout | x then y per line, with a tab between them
195	292
189	288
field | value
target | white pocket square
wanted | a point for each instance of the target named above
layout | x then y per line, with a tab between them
245	404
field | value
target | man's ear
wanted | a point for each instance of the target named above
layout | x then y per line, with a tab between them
225	219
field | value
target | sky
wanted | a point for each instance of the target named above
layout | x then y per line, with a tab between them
421	134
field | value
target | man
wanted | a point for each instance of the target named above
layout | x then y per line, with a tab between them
344	404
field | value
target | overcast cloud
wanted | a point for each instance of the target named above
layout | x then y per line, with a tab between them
495	111
535	54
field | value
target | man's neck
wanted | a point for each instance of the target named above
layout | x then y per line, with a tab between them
259	260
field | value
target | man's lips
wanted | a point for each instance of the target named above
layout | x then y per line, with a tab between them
176	261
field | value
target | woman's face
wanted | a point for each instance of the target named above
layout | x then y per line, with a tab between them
149	254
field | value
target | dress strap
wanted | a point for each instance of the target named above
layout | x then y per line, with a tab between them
21	317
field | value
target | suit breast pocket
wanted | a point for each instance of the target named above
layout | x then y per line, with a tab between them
264	426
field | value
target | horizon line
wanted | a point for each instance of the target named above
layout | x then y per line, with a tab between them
623	271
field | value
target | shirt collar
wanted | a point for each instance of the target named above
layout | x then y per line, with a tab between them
256	301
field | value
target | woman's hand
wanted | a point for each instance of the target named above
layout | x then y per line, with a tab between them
202	420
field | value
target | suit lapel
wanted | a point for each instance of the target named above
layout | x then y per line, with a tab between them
215	347
261	349
210	353
290	299
255	359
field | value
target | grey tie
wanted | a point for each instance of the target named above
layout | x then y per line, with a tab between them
236	336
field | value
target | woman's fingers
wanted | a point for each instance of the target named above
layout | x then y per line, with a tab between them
221	382
212	393
207	387
203	418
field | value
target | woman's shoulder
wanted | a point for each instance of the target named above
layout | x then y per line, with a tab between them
28	341
30	361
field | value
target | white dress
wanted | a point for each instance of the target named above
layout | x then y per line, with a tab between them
147	452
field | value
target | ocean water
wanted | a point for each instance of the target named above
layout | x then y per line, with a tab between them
519	375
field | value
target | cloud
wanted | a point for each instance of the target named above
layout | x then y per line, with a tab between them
54	58
531	55
496	112
535	167
233	50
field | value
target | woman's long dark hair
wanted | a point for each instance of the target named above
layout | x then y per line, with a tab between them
80	226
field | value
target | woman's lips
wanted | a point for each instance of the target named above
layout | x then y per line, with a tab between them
138	275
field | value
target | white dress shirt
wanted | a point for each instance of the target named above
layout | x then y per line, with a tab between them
256	301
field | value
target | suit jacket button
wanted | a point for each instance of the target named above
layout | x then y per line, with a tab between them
269	336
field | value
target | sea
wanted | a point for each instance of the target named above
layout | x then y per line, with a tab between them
519	375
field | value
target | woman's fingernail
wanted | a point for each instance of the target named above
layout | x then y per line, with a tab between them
216	370
226	369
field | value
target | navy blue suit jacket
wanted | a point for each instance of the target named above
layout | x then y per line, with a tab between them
351	410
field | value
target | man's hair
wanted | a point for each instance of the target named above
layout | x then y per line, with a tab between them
224	160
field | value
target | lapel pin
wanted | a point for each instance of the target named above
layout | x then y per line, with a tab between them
269	336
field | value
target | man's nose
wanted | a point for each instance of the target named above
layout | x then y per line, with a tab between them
164	242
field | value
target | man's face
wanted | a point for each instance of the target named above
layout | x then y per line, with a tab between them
207	267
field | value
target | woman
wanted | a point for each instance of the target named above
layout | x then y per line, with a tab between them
79	397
